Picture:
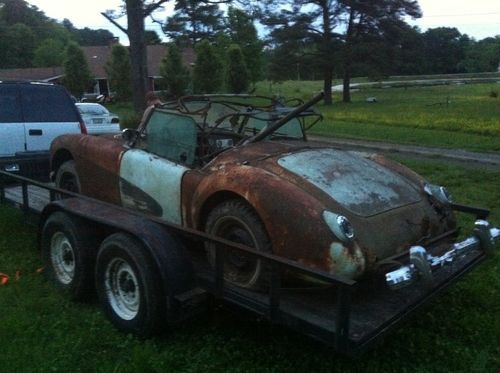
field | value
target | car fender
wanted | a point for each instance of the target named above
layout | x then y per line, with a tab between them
293	218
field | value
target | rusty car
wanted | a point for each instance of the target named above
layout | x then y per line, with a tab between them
241	167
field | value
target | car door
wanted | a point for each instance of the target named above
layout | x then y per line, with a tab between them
48	112
11	121
151	177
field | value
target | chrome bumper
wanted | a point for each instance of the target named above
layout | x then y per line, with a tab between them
422	264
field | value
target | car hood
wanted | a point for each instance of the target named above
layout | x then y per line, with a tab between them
359	184
356	181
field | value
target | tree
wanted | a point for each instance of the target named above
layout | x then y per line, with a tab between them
208	69
444	50
324	19
19	47
151	37
175	75
50	53
237	74
136	11
483	55
410	59
366	19
193	21
242	32
76	71
118	70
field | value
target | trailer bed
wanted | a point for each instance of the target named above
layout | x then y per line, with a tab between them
346	314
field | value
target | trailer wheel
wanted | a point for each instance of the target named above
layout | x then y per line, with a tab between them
68	252
235	221
128	286
67	178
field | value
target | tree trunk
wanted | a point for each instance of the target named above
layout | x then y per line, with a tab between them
327	85
327	41
346	91
138	57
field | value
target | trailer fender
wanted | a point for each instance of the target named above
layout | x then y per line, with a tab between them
165	248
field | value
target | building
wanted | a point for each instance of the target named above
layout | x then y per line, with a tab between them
97	57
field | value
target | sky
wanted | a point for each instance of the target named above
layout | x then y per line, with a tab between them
477	18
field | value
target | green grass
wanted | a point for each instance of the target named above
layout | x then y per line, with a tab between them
41	331
449	116
456	116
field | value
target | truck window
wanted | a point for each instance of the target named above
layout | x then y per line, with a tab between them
10	108
47	104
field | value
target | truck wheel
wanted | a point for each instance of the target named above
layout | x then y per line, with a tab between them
68	252
128	286
236	221
67	178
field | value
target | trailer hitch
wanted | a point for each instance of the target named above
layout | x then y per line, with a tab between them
422	263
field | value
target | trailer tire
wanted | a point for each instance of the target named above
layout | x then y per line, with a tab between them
68	252
67	178
236	221
128	286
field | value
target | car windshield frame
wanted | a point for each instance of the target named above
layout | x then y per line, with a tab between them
223	122
246	115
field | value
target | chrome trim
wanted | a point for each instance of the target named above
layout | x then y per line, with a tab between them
439	192
422	263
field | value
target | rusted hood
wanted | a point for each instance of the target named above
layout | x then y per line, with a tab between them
353	180
359	184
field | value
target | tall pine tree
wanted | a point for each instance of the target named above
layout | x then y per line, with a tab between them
175	75
118	70
77	76
208	69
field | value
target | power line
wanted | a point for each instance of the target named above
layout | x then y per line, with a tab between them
461	15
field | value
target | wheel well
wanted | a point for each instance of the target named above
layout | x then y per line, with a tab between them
217	199
59	158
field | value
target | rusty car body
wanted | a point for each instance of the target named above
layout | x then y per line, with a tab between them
242	168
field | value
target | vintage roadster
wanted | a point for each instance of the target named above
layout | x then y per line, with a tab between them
242	168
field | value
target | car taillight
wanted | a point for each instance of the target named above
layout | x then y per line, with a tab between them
83	129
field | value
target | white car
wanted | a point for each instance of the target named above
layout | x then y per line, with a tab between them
98	119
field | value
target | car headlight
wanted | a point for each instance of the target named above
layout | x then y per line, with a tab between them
438	192
339	225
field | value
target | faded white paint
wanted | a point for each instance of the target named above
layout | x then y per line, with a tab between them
359	184
155	178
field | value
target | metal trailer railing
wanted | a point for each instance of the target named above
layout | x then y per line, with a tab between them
346	314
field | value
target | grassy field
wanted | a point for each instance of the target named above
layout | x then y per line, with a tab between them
456	116
463	116
41	331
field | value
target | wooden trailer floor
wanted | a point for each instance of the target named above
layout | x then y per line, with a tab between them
38	197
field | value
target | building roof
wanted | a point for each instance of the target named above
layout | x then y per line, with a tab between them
97	57
43	74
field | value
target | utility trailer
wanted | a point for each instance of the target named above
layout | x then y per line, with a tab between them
162	274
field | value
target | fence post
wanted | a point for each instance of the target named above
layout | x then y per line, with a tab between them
220	253
275	291
26	202
2	188
342	322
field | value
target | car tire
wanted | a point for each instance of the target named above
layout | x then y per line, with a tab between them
236	221
67	178
128	286
68	252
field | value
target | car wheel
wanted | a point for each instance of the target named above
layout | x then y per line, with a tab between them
68	252
67	178
128	286
235	221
